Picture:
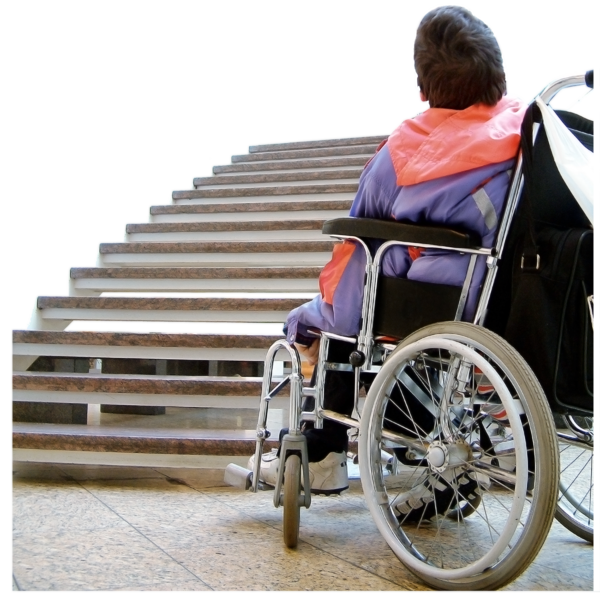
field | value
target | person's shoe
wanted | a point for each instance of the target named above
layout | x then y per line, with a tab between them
483	384
330	475
436	497
269	467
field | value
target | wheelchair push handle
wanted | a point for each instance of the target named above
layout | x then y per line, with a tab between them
589	79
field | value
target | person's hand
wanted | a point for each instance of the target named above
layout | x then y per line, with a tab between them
310	353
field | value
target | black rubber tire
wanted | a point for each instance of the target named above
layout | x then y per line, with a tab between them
465	509
291	500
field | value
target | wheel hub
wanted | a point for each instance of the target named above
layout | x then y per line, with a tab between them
442	456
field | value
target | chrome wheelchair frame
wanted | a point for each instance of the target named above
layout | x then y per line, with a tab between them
502	445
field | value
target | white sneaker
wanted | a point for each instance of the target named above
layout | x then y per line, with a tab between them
413	499
269	467
416	503
330	475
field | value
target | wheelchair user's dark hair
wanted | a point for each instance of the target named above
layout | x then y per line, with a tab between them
458	60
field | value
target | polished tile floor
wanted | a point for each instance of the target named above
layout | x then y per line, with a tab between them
78	528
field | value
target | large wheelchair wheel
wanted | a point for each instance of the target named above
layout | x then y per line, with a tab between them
575	508
469	497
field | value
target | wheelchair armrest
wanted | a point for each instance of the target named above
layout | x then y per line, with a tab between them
401	232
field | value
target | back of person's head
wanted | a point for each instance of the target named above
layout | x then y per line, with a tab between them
458	60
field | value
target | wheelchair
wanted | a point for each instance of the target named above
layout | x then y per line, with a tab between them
450	406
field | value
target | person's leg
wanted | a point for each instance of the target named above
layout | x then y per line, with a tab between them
326	447
339	397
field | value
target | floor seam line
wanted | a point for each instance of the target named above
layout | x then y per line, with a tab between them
144	535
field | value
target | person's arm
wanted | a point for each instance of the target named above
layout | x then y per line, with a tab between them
338	307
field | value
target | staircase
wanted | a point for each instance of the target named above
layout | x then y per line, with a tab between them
243	247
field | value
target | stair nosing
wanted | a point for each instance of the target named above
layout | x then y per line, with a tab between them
311	205
248	192
196	272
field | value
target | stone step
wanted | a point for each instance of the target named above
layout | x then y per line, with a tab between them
90	438
222	310
274	253
365	150
251	211
159	346
141	390
307	164
197	279
273	178
355	141
226	231
342	191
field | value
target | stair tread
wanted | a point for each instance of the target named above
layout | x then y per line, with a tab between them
195	304
304	225
196	272
157	432
170	340
138	384
172	209
215	442
215	247
287	165
277	177
372	139
361	149
280	190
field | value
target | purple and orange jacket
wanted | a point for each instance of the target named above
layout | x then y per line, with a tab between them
445	167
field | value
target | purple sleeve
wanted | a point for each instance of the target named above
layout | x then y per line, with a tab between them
341	317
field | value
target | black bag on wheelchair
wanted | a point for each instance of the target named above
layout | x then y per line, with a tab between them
550	285
550	322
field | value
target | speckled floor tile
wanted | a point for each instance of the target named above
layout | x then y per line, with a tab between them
146	529
348	543
15	587
193	585
175	537
196	478
99	472
576	555
541	578
270	566
196	526
74	561
257	506
45	508
148	485
341	527
23	471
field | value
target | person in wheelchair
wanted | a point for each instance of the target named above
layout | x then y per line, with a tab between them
450	165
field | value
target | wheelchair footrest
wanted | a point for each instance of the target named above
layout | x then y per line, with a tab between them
237	476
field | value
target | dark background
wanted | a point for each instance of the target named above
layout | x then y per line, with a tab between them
100	131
